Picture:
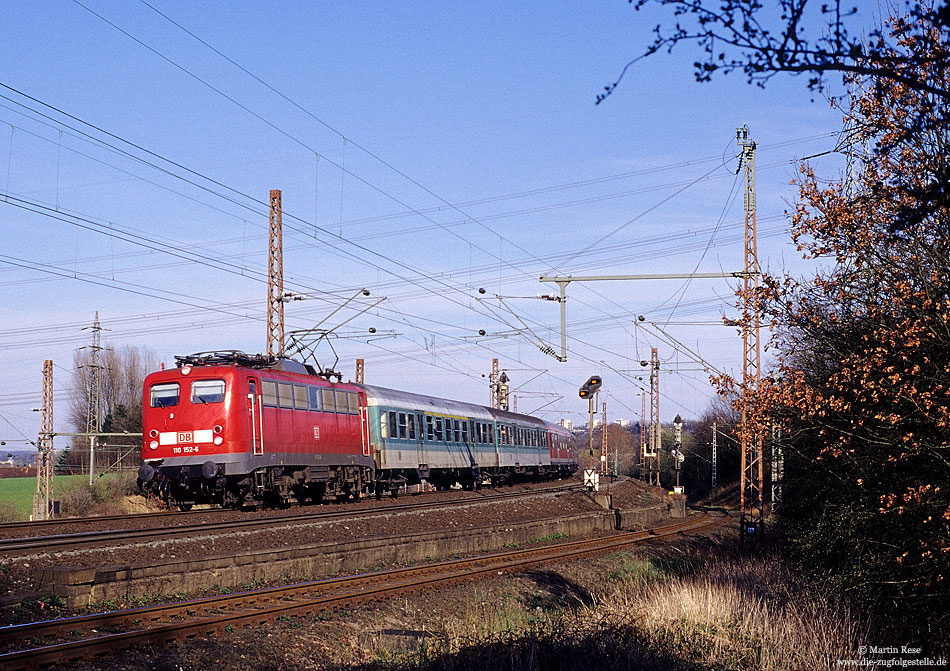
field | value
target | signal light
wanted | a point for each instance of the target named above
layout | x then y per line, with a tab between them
589	388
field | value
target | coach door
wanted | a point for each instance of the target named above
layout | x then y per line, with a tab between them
364	426
255	411
420	433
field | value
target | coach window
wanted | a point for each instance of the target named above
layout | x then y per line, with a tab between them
438	429
326	400
269	392
411	422
314	397
458	430
164	395
393	429
301	402
430	428
207	391
285	394
465	431
384	425
402	425
491	434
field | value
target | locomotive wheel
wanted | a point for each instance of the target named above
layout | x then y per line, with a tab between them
185	507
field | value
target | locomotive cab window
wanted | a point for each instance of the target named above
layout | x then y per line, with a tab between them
164	395
207	391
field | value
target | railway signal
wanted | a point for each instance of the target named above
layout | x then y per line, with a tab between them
588	390
591	387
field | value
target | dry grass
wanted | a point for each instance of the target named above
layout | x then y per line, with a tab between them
727	614
737	614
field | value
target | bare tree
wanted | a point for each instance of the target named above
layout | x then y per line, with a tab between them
122	371
760	40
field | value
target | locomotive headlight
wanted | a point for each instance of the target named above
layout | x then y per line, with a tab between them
153	433
218	440
217	428
153	445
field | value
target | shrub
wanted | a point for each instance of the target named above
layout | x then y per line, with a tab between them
9	512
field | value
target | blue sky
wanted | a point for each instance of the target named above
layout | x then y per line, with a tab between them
430	150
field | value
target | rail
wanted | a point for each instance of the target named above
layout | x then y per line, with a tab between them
81	539
167	622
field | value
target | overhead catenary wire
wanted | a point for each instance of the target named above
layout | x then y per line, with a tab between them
344	138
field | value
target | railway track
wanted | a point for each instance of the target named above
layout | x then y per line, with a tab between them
71	639
83	539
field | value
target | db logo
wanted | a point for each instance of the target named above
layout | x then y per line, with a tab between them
184	437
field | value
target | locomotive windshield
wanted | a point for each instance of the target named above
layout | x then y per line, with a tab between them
164	395
206	391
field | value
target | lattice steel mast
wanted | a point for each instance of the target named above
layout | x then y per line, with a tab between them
44	463
94	409
653	477
751	508
275	279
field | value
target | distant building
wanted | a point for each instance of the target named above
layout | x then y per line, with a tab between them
567	424
624	423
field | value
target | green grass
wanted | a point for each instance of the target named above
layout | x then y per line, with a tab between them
19	491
